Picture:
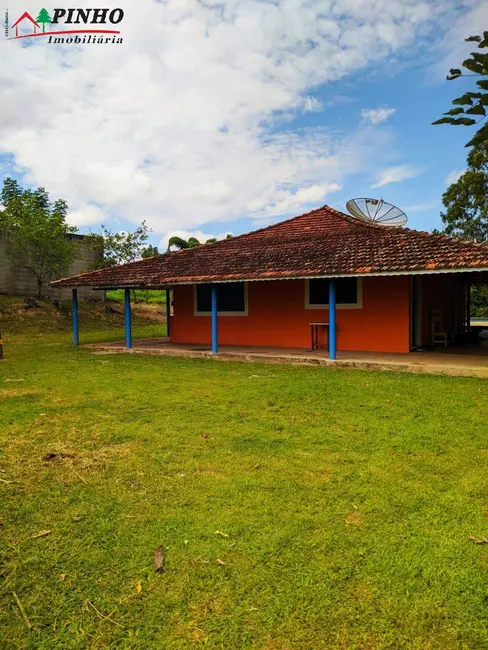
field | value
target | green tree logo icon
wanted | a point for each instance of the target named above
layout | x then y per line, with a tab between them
43	18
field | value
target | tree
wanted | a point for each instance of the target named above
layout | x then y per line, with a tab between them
120	247
149	251
37	231
470	108
191	242
43	18
466	200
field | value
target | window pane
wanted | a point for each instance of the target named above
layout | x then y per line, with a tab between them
204	298
230	297
319	292
346	291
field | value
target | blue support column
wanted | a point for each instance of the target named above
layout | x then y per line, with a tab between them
215	333
74	311
128	323
332	319
168	312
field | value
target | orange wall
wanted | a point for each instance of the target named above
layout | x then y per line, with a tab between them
277	317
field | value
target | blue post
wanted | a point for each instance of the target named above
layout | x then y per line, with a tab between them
215	335
128	324
168	312
74	311
332	319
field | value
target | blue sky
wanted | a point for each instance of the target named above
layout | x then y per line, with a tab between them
224	118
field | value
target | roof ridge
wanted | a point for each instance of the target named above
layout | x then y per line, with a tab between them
252	232
439	235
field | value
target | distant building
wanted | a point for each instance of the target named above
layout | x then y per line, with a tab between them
17	281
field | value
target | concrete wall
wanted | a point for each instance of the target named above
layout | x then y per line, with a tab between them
277	317
17	281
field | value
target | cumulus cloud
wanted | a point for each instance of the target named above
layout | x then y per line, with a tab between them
376	115
397	174
454	176
187	122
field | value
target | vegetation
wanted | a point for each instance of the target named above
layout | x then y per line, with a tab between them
466	200
30	316
150	296
37	231
296	507
479	300
122	247
466	215
470	108
180	243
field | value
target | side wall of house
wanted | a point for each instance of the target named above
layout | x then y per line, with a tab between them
17	281
278	318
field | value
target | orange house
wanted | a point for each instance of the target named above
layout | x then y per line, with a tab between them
322	279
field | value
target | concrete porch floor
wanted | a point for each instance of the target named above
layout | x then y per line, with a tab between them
469	361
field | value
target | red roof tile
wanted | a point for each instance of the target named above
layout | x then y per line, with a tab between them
319	243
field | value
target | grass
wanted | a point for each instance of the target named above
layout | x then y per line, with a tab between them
344	502
152	296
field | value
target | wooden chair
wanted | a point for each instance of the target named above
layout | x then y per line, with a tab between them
438	333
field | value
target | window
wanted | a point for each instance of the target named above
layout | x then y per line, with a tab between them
348	293
231	299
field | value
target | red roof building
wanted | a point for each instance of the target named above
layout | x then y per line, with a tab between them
377	288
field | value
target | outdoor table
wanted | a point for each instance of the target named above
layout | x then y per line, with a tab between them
314	330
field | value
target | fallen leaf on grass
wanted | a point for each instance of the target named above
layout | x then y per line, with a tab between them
138	586
42	533
219	532
475	540
159	560
221	562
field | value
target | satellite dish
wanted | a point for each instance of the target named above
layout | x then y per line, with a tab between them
376	211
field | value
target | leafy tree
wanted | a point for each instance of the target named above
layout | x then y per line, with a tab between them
120	247
479	300
43	18
37	231
149	251
191	242
470	108
466	200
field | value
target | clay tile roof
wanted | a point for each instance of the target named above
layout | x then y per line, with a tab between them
319	243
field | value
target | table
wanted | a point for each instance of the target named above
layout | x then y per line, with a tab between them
314	331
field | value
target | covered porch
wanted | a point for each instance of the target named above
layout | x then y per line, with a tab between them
464	361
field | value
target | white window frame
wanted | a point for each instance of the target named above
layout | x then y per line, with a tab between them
221	313
356	305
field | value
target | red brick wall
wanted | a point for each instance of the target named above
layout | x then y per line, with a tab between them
277	317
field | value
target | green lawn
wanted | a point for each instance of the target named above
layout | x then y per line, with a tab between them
344	502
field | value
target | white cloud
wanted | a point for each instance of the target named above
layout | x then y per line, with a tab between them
86	215
377	115
396	174
454	176
422	207
184	123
